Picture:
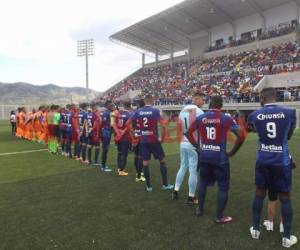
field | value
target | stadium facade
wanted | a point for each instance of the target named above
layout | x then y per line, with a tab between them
191	27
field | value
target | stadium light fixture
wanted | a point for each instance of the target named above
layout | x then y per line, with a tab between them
86	48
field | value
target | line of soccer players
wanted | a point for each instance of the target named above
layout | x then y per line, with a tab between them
203	148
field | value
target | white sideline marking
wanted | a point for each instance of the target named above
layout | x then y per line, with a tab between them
23	152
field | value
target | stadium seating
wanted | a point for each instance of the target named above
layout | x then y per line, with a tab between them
233	76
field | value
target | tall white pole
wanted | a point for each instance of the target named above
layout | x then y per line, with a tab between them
87	72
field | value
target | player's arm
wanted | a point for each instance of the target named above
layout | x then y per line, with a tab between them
293	124
190	134
250	124
240	138
163	124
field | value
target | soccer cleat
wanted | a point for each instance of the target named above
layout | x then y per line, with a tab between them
175	195
168	187
224	220
105	169
287	243
199	212
149	189
85	162
122	173
269	225
254	233
78	158
141	179
281	228
192	201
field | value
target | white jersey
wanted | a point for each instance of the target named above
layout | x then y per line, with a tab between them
186	117
13	118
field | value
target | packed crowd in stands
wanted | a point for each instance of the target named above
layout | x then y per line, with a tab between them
234	76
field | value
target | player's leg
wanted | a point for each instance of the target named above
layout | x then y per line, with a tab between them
105	148
119	156
193	178
222	175
159	154
68	143
269	223
97	151
181	172
124	149
146	157
138	163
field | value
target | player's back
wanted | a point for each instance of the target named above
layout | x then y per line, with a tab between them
122	117
213	127
105	119
273	124
148	117
186	117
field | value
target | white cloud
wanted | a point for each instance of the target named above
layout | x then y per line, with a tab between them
38	39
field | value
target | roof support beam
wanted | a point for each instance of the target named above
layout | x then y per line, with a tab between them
174	28
142	41
162	37
193	19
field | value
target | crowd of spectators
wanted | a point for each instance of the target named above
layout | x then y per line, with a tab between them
234	76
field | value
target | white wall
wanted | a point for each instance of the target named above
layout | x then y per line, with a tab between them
198	46
275	16
223	31
249	23
281	14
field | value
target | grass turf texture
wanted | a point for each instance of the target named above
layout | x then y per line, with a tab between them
50	202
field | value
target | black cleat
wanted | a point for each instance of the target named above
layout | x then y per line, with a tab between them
175	195
192	201
199	212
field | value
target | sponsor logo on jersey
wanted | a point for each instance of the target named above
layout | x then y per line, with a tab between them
262	117
210	147
271	148
211	121
145	113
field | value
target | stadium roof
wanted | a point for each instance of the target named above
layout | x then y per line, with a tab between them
175	26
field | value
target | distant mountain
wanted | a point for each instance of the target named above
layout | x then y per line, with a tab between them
25	93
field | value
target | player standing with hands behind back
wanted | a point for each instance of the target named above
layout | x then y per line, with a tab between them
274	125
212	128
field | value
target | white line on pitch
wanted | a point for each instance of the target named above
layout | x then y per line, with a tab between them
23	152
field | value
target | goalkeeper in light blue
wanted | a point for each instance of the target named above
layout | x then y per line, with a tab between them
188	153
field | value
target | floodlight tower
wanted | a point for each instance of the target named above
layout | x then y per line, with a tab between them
86	48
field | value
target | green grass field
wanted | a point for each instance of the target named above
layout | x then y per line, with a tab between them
50	202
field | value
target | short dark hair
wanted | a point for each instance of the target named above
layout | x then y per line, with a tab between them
268	93
201	94
127	104
216	101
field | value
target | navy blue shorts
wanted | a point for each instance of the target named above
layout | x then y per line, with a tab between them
211	173
136	149
123	147
83	139
68	134
274	178
147	149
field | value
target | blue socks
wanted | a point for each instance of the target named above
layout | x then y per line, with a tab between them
164	173
222	199
201	195
256	211
147	175
287	217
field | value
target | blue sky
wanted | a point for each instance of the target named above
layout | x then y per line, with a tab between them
38	40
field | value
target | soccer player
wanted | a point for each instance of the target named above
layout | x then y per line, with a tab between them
93	133
150	144
62	129
13	122
123	137
81	150
212	129
274	125
106	133
136	134
188	153
68	131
